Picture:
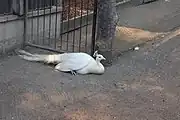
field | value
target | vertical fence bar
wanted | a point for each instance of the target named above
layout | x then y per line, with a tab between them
32	22
25	22
62	25
87	12
68	24
9	8
80	36
44	21
38	8
74	32
56	22
4	26
49	39
94	28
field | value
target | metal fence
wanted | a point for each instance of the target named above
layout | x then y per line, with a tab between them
60	25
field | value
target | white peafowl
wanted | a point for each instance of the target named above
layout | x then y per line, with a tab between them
80	63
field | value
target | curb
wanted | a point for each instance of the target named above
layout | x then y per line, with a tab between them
157	42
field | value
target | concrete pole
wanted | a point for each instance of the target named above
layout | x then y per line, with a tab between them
106	27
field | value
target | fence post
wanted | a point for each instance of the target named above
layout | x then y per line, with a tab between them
25	22
107	21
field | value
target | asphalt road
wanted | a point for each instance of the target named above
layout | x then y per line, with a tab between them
141	85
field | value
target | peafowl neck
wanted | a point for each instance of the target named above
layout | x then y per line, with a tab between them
98	62
100	67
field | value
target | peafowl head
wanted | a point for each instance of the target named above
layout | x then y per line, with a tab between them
100	57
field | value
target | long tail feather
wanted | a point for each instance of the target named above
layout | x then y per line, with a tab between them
24	52
32	58
39	57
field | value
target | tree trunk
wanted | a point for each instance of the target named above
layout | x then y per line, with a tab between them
106	27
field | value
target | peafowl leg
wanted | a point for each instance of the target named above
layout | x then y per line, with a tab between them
73	73
56	70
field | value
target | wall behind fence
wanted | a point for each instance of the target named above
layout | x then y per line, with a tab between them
12	26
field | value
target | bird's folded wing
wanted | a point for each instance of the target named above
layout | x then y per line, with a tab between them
76	61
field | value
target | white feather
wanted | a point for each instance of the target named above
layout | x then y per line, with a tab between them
74	61
81	62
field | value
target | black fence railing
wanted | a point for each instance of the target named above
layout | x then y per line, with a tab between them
63	27
57	25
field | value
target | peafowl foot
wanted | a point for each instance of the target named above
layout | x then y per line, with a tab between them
56	70
73	73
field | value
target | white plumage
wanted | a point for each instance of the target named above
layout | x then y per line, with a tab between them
81	63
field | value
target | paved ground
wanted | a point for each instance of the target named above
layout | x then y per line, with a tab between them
155	17
146	23
141	85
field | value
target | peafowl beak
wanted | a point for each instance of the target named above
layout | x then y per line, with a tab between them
104	58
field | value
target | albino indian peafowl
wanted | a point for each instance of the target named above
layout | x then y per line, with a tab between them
81	63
